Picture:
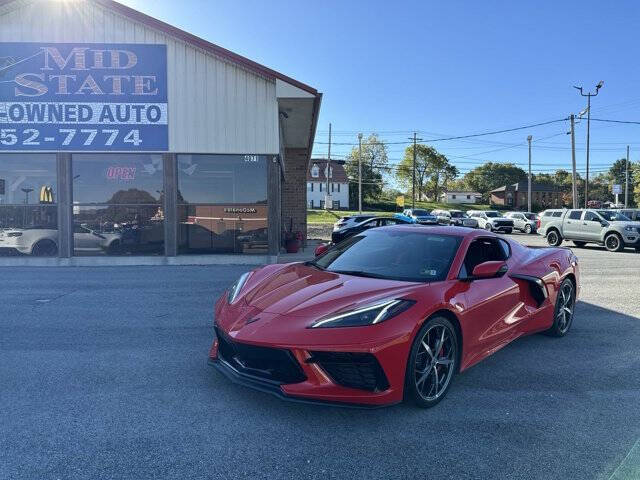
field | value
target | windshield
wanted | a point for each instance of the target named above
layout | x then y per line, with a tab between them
458	215
612	216
393	255
530	216
492	214
421	213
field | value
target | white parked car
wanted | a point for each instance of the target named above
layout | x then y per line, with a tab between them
444	217
43	242
523	221
492	220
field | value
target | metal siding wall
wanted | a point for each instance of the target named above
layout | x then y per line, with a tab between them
235	111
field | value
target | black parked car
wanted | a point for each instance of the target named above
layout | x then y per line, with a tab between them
338	236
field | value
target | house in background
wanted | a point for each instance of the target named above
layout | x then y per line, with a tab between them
460	197
514	196
317	184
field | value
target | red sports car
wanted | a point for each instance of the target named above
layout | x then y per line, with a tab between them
389	314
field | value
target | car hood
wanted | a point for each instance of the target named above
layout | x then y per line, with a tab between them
298	290
625	223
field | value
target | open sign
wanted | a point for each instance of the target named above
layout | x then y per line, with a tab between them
121	173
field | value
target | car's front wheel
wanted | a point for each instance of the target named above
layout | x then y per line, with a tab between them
527	228
433	360
613	242
487	226
563	313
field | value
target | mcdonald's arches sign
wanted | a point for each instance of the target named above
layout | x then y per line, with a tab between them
46	195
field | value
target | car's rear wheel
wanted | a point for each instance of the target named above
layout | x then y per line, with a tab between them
527	228
487	226
613	242
579	244
45	248
433	360
563	313
553	238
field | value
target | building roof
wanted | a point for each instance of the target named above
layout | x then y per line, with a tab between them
523	186
339	174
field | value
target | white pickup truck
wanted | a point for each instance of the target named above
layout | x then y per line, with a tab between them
603	227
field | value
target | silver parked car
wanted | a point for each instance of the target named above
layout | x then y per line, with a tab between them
523	221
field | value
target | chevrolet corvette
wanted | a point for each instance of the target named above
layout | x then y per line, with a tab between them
390	314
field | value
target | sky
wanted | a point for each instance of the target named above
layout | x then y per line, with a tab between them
445	68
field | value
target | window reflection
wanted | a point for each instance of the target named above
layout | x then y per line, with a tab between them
117	178
118	230
222	204
28	214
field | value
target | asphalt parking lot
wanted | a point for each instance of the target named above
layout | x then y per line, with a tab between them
103	375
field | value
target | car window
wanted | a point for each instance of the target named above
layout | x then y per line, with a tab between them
557	214
420	213
79	229
613	216
394	255
591	217
484	250
492	214
575	214
547	213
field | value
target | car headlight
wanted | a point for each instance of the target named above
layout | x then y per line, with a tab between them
369	315
236	287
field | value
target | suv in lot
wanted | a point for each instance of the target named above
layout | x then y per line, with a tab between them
492	220
523	221
604	227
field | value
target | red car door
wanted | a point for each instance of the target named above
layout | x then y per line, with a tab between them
493	311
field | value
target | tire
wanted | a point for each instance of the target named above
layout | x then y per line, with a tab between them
553	238
113	248
527	229
422	366
487	226
579	244
508	230
563	312
45	248
613	242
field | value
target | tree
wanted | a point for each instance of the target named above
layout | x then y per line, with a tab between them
634	187
492	175
433	171
374	163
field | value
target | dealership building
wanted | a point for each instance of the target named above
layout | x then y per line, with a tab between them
126	140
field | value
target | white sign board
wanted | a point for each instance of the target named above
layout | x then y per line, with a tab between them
616	189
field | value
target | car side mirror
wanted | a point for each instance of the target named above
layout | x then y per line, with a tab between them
321	249
492	269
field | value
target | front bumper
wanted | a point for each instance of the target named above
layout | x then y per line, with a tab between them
361	375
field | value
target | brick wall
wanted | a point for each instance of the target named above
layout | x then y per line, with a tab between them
294	191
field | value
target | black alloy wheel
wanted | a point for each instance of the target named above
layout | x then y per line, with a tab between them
553	238
433	360
563	313
613	242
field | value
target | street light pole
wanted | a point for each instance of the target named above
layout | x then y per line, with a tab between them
574	186
529	138
327	195
360	173
413	191
588	95
626	181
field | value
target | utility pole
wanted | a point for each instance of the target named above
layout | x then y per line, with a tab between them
327	196
626	181
588	95
415	151
360	173
529	138
574	186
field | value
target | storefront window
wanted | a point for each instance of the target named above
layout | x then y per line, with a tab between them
222	204
28	212
117	204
